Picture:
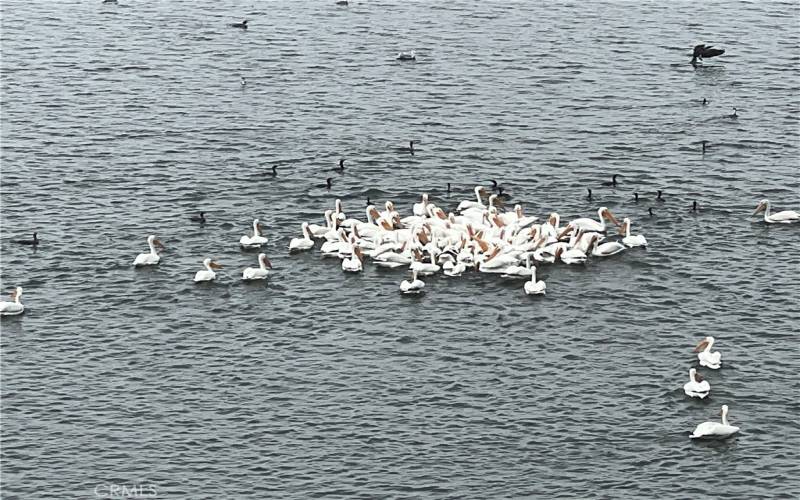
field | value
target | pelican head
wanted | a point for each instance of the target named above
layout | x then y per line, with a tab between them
724	410
705	343
692	373
264	261
762	205
16	294
604	212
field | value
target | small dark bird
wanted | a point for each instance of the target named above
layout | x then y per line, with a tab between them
500	192
32	242
704	145
494	184
589	196
242	25
411	147
694	206
701	51
650	211
199	218
448	188
368	201
734	115
274	171
659	198
115	2
636	197
329	183
341	2
705	101
340	169
613	181
243	82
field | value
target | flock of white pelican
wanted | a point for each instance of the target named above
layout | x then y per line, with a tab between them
696	387
480	236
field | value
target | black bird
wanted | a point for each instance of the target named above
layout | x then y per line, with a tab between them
329	183
199	218
734	115
494	184
705	101
411	147
274	171
701	51
500	193
704	145
613	181
340	169
636	197
650	211
589	196
341	2
111	1
32	242
242	25
659	198
368	202
694	206
448	188
243	82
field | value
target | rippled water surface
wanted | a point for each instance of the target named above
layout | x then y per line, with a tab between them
121	121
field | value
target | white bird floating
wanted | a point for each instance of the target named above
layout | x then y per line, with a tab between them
256	273
150	258
785	217
534	287
304	243
478	236
628	240
13	307
256	240
413	286
696	387
208	274
715	430
707	358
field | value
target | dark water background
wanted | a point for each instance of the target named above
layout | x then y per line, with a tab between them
120	121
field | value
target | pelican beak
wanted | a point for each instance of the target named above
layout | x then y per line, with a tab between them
266	263
759	208
565	231
260	227
159	244
215	265
702	345
621	230
611	216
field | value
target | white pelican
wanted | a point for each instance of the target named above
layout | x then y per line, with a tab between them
256	273
696	387
606	249
423	268
534	287
519	271
631	241
453	269
355	263
421	209
208	274
151	258
304	243
472	204
413	286
715	430
318	231
406	56
256	240
15	306
592	225
707	358
784	217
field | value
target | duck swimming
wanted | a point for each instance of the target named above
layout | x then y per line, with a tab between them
32	242
241	25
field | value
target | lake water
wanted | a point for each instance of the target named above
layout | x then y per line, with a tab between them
121	121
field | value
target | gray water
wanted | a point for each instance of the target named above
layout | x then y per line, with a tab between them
121	121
